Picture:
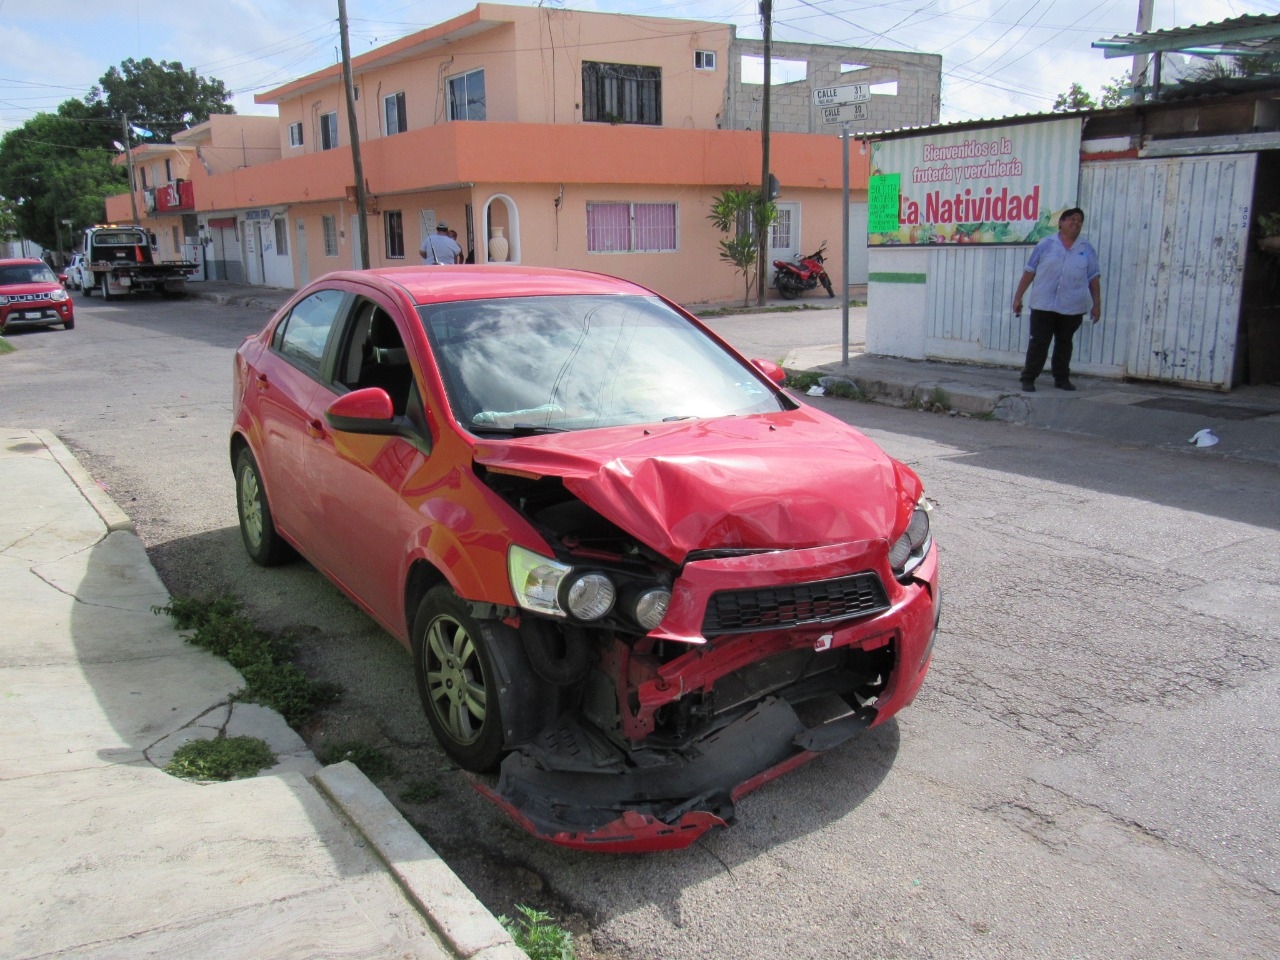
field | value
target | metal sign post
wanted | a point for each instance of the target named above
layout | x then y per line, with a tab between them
844	105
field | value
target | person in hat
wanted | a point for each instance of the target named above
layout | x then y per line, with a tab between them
440	247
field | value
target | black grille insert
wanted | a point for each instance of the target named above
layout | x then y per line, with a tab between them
770	608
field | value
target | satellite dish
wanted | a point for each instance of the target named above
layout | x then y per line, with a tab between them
117	144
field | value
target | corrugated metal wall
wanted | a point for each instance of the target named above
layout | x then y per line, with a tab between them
1171	236
1172	242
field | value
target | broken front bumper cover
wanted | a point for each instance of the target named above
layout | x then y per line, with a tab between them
668	805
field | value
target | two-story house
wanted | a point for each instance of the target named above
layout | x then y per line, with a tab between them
550	137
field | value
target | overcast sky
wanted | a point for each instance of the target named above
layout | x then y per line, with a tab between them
1000	57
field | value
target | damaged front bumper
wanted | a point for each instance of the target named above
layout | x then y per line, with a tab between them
570	787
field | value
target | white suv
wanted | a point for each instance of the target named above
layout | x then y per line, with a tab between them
74	271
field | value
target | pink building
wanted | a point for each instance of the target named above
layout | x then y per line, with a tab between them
571	139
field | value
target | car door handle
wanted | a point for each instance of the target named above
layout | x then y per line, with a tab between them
316	429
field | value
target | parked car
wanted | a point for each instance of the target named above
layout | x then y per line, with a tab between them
636	576
74	271
31	294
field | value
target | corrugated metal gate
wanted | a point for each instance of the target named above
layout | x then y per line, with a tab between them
1171	234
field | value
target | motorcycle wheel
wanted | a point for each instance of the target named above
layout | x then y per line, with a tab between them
826	285
787	288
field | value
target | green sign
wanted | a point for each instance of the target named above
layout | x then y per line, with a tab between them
882	203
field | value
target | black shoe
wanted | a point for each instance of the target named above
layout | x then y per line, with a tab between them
1028	386
1065	385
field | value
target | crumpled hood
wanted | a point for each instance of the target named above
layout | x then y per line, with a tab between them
792	479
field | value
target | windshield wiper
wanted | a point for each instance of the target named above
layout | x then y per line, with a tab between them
515	430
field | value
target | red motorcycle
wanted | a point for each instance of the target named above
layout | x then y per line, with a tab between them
794	278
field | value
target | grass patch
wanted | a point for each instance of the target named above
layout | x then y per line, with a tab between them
5	346
226	758
802	381
844	389
936	400
421	791
219	625
373	763
539	937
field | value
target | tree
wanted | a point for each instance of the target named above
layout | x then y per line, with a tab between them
57	166
1077	98
160	97
735	212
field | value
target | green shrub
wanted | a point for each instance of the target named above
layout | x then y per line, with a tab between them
373	763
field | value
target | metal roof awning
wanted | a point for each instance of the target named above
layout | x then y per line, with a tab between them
1251	35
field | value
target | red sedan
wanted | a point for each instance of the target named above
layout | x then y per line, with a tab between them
636	577
32	295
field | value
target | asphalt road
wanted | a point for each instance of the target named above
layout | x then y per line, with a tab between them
1090	771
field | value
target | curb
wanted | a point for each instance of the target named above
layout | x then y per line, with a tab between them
115	519
449	906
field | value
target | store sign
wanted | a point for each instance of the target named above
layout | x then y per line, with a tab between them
1005	184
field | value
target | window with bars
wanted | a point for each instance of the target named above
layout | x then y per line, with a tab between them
631	227
466	96
295	134
394	112
328	131
393	222
329	226
621	93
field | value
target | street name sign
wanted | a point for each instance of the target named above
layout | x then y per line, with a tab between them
837	96
846	113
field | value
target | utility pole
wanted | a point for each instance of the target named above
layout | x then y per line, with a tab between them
128	153
357	166
762	228
1142	62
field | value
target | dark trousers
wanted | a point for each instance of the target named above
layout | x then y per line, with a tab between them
1061	329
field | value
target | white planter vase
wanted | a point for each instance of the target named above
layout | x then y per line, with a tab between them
498	246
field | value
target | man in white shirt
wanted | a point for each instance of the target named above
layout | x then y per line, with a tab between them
440	248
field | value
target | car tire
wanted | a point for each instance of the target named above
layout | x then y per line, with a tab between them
84	290
105	287
68	324
457	679
257	529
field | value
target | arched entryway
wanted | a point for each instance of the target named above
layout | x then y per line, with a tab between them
499	217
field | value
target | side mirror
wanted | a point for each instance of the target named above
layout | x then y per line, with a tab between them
771	370
363	411
62	278
369	412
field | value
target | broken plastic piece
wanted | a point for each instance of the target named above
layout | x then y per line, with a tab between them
1203	438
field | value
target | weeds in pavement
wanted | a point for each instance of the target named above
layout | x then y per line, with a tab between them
226	758
373	763
937	401
536	934
219	625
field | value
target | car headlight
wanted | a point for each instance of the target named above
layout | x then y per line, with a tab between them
58	294
3	299
590	595
651	607
535	580
909	549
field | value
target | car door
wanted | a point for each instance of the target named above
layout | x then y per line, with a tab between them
287	378
359	479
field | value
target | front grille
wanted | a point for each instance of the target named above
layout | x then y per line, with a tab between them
771	608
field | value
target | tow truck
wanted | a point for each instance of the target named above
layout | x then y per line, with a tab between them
121	259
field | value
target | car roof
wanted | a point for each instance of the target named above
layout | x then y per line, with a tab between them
438	283
27	260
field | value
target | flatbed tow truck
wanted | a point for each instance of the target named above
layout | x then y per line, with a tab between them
121	259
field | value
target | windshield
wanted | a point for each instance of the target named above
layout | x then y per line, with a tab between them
26	273
578	362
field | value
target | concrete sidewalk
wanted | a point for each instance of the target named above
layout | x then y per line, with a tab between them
103	855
